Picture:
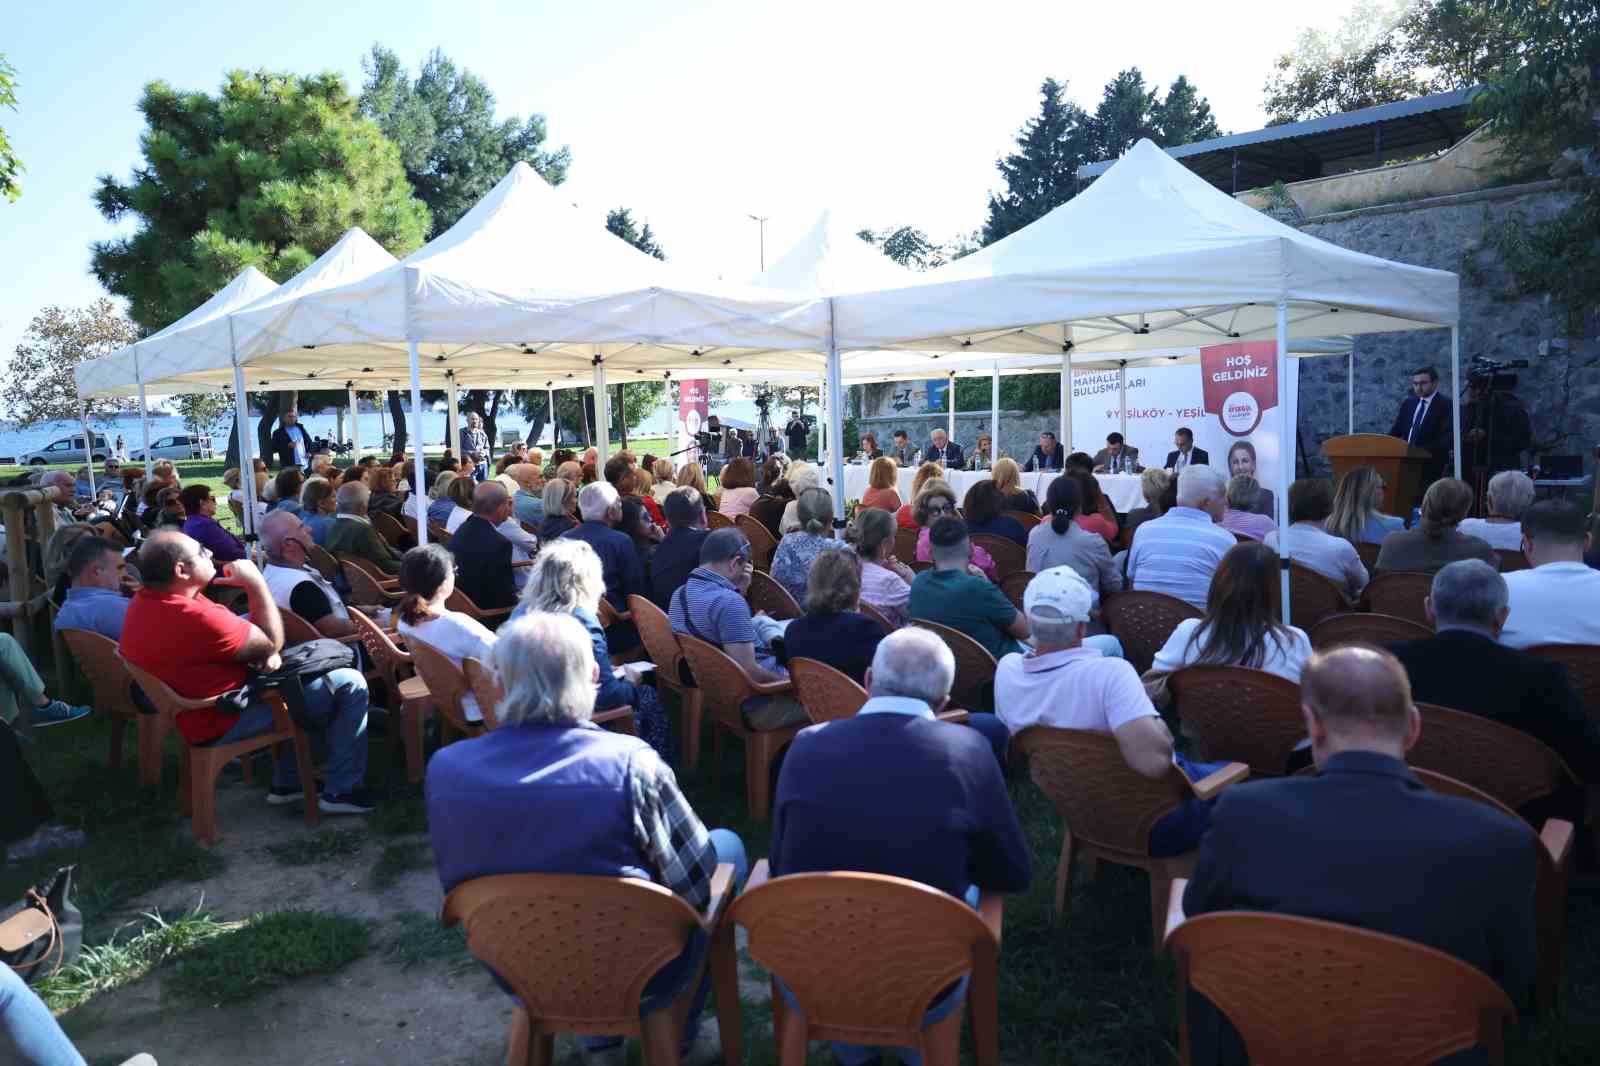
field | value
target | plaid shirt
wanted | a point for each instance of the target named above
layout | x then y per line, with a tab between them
670	835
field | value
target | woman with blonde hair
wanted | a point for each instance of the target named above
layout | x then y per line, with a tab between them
662	473
693	476
791	563
384	497
567	578
938	500
1007	477
1436	541
982	457
885	580
1355	515
559	498
925	473
883	486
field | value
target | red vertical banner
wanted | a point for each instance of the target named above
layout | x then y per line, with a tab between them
1239	383
694	403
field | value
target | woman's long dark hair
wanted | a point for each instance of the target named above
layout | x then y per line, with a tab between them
1242	609
983	503
1063	501
1089	488
422	571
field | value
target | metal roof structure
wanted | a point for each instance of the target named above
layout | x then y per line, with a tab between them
1296	151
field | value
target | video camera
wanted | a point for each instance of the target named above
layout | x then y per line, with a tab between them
764	402
1490	374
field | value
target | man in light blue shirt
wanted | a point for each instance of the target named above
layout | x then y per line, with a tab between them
95	601
1178	553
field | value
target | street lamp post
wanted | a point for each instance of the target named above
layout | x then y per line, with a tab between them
761	225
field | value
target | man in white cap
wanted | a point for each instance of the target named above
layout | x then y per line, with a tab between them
1066	683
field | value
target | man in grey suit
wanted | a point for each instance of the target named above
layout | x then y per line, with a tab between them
1117	457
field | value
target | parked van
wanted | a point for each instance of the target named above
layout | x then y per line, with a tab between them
65	450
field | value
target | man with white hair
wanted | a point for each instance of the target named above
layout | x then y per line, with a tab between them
63	489
893	790
528	503
1510	493
483	554
1064	684
352	532
1177	553
601	509
295	584
943	450
608	806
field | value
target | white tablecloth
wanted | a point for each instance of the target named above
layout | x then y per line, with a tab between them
1121	489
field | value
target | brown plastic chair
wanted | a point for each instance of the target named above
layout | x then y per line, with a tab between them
716	520
490	617
661	644
296	630
975	667
1027	518
1243	538
765	594
825	692
1369	555
364	588
370	568
876	615
725	687
388	527
1009	556
919	566
1301	990
1143	621
485	688
1362	627
406	689
579	951
408	521
905	545
324	563
108	676
438	534
1583	669
1014	585
1234	712
866	955
198	769
446	686
1108	810
1554	855
1400	593
1510	765
1312	597
1511	561
609	616
762	542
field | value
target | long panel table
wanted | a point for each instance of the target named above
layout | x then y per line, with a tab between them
1121	489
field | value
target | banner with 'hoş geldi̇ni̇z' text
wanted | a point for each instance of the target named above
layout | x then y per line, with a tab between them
693	405
1239	386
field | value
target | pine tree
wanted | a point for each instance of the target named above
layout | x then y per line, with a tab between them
1127	112
1042	173
621	223
1184	116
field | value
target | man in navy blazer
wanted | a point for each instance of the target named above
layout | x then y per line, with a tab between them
1431	428
1184	454
1365	843
944	450
483	554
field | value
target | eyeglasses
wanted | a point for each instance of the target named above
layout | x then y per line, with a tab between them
940	508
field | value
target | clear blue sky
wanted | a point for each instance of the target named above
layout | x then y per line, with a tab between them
694	115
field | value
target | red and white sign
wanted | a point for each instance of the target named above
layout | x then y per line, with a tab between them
1239	384
693	405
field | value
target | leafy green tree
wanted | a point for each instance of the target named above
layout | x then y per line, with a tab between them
1042	173
621	222
906	245
451	145
39	385
1184	116
10	165
1031	393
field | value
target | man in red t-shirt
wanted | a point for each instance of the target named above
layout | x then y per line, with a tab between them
201	649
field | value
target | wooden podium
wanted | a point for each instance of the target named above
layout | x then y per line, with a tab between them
1398	463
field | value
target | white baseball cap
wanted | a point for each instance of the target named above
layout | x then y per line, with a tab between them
1062	590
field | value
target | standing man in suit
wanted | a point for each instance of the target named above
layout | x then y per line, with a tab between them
1047	454
1457	876
1117	457
944	450
1424	421
290	442
1184	453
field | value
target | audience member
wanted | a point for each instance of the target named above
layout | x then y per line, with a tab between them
883	485
200	649
833	630
98	597
885	580
1238	518
1060	541
1178	553
1464	666
894	791
1558	600
165	509
664	484
459	492
1436	540
1007	477
482	551
624	571
286	486
527	504
693	476
738	485
1306	543
937	499
440	505
1356	509
1092	512
316	508
560	504
927	472
1309	846
802	477
1064	684
352	532
983	510
1078	462
769	508
619	474
428	577
384	498
679	552
295	584
1510	493
791	563
571	472
200	509
951	595
609	805
771	472
1152	486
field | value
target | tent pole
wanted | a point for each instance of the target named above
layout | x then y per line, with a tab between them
1350	389
355	420
144	423
452	422
555	429
1122	398
602	417
1455	395
418	480
1286	455
835	420
88	444
247	463
823	396
951	430
994	411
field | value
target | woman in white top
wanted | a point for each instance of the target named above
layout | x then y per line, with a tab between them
428	576
460	494
1510	493
885	580
1311	546
1241	626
